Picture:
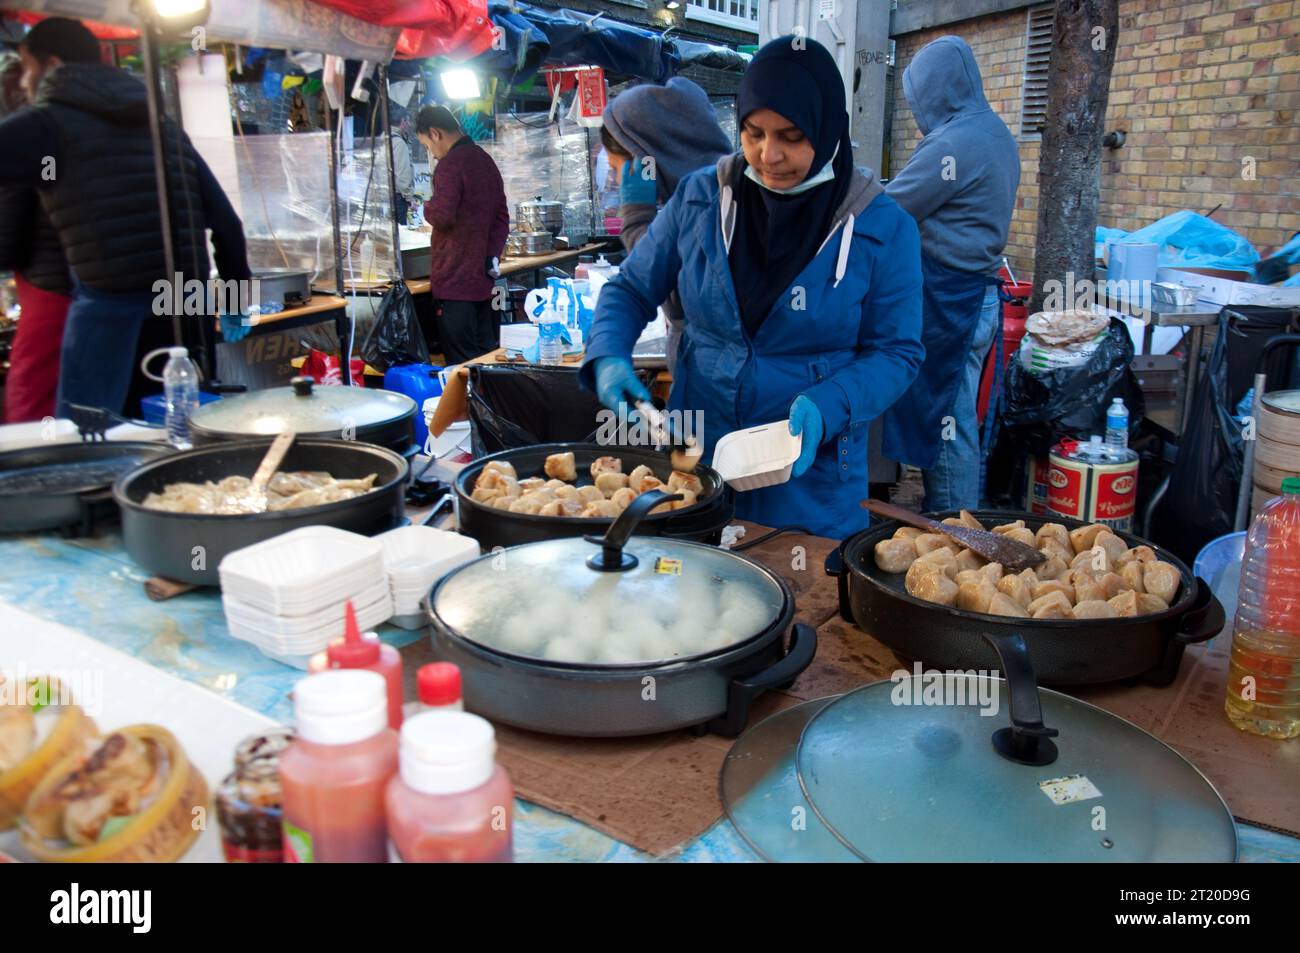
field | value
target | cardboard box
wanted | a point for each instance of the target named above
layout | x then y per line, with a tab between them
1230	287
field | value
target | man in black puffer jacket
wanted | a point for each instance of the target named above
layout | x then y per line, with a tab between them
85	146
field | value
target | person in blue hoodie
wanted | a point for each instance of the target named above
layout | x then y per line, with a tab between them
800	286
960	186
675	126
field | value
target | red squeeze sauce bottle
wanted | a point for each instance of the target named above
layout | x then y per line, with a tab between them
357	651
438	685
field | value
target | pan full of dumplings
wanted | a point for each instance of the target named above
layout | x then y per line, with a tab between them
572	489
1105	605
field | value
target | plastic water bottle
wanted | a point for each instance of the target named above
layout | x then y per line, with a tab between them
550	344
181	395
1117	425
1263	692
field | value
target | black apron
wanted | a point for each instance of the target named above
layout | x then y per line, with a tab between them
951	302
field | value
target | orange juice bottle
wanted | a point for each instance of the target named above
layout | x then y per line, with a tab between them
1263	694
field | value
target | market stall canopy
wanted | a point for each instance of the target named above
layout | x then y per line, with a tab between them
283	24
458	29
531	37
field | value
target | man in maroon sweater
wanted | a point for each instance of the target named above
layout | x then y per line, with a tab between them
470	221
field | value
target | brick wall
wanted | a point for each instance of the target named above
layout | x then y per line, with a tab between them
1202	90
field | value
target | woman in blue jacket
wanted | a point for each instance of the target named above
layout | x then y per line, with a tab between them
800	284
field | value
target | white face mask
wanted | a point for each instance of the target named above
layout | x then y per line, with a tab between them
825	175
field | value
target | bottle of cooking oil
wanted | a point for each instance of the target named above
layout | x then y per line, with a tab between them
1264	670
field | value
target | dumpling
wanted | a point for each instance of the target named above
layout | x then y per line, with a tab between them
1160	579
528	505
1021	535
908	532
503	467
530	484
1054	568
1002	604
1054	532
647	484
915	571
975	596
895	555
606	465
943	560
685	481
1092	609
1083	537
563	508
688	499
968	519
1015	588
993	571
1050	605
936	587
637	476
929	542
1148	604
969	560
567	492
1095	560
486	494
590	494
603	509
611	483
1113	584
502	502
560	466
1005	528
1053	585
1131	573
1141	554
1114	546
1124	603
1086	587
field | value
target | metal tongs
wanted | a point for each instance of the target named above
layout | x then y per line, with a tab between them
686	452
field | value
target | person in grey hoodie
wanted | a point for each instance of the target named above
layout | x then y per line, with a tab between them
675	126
960	186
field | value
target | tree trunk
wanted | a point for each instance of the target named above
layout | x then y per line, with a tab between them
1069	166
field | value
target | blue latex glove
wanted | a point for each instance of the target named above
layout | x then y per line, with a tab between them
234	327
617	383
634	188
806	419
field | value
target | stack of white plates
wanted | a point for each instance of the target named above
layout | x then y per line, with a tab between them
416	557
288	595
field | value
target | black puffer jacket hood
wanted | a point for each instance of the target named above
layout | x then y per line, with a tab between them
112	94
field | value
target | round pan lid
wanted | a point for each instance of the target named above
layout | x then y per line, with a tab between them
905	770
623	601
305	409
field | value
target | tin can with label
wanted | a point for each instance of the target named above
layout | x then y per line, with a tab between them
1093	483
1037	486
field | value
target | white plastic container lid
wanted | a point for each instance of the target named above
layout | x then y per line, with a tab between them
341	706
446	752
757	456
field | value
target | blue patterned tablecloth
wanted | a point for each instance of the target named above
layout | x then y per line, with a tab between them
94	587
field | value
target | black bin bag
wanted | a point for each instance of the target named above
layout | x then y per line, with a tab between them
396	338
1040	409
1200	503
520	405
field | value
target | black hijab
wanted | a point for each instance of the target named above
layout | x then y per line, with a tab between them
776	236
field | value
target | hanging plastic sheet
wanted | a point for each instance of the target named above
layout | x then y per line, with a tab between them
588	39
455	28
548	159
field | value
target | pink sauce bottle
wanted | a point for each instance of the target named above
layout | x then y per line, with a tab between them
451	802
355	650
334	774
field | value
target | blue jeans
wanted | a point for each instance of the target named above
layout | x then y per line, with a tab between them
954	482
97	360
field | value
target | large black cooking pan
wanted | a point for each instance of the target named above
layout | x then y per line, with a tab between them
60	485
1063	651
493	527
188	547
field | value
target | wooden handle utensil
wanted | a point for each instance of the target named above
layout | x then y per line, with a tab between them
996	548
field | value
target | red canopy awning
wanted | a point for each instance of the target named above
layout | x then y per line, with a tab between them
459	29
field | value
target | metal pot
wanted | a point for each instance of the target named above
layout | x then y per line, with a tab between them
60	486
188	547
493	527
537	215
1064	651
520	675
351	413
527	244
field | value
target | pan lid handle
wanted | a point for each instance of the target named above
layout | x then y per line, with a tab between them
302	385
1027	741
611	557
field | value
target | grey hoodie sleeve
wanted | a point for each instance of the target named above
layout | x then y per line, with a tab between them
927	182
636	219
